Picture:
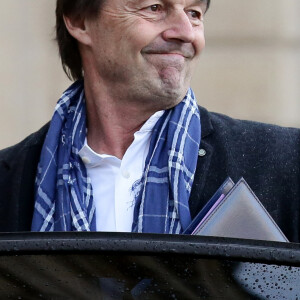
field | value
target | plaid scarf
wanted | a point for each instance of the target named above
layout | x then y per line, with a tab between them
162	202
63	191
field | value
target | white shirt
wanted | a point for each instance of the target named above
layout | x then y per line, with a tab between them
112	179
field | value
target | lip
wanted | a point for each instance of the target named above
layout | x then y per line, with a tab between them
166	57
166	54
170	54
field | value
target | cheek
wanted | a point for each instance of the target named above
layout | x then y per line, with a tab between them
199	43
141	33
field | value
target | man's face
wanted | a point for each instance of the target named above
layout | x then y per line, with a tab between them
147	48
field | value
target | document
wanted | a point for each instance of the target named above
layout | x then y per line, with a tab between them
235	211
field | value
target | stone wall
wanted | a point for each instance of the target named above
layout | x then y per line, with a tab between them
250	68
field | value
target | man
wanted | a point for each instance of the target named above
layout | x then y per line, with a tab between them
128	149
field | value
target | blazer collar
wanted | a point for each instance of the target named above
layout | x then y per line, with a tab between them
206	124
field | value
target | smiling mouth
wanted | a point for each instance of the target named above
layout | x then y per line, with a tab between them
166	57
167	54
166	61
165	49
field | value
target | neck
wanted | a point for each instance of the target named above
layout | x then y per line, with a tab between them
112	121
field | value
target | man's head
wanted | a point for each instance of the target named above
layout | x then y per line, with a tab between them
147	47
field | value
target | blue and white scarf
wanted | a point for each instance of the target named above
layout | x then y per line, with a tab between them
63	191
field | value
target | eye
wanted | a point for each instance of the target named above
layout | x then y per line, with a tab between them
155	7
195	15
154	12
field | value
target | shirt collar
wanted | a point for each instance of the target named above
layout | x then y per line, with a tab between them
90	158
150	123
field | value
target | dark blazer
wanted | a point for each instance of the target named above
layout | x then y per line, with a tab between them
267	156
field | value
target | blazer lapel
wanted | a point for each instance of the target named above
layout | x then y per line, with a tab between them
26	188
18	168
203	164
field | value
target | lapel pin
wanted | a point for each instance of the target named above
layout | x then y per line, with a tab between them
202	152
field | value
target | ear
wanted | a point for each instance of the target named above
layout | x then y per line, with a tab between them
77	29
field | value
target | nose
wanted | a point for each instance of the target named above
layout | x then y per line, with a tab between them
179	28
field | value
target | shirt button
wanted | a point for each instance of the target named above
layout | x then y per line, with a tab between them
85	160
202	152
125	174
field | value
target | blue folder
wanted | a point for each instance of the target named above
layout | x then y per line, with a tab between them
222	190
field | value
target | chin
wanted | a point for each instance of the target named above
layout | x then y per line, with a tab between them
175	85
162	93
170	97
175	91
